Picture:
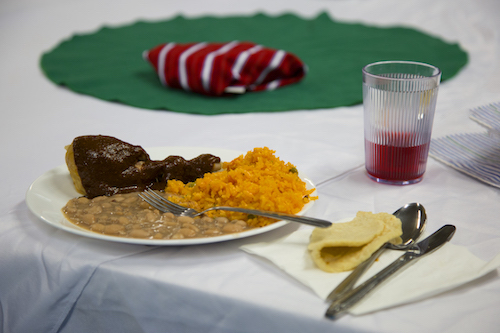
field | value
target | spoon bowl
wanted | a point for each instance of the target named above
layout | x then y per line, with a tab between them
413	220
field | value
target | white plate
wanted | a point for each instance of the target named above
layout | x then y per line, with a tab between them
51	191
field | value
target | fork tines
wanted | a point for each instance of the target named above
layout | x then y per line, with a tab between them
161	203
153	201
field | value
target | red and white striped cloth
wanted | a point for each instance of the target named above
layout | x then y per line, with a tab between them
220	68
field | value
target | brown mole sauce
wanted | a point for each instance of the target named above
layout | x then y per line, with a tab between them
107	166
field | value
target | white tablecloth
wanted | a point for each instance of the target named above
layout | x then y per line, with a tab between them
53	281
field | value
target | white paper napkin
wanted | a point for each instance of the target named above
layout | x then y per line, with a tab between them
445	269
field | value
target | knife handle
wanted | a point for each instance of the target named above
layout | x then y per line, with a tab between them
348	299
349	282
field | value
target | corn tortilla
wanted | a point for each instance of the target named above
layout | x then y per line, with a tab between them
343	246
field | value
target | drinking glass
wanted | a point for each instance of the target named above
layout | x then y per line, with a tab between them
399	100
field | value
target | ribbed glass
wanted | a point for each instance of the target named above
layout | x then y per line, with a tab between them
399	99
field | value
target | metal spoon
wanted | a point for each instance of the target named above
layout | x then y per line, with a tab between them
413	219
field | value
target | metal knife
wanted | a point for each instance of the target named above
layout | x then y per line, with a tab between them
428	245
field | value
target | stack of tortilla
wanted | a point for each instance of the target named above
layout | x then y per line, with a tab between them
343	246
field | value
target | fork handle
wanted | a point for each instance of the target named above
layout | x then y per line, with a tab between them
280	216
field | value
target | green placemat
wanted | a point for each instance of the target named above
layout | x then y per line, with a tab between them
108	64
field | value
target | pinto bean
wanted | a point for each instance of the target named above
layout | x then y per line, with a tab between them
185	219
88	219
139	233
97	227
144	205
114	229
207	219
187	232
168	216
191	226
151	217
83	201
232	228
126	215
212	232
221	220
123	220
158	236
95	210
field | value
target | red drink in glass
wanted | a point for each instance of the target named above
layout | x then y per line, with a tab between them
398	161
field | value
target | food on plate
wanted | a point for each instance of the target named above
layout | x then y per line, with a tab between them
104	165
127	215
256	180
343	246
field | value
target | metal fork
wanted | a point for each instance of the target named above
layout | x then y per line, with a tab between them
164	205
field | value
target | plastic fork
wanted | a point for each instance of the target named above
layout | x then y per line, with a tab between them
164	205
